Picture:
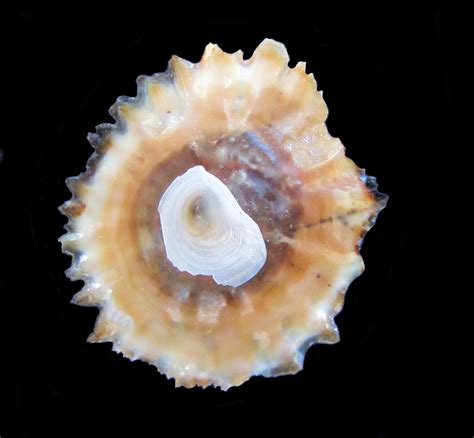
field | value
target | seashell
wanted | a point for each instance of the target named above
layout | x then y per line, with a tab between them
218	223
205	232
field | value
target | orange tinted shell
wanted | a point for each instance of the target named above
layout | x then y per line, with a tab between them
259	126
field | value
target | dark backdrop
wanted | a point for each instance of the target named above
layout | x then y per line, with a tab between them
384	80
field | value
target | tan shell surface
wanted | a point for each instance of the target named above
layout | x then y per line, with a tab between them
192	329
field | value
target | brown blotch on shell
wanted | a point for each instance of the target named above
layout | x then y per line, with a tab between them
224	157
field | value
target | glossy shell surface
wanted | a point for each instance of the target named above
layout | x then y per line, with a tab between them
259	127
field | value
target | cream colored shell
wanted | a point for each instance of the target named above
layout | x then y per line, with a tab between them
191	329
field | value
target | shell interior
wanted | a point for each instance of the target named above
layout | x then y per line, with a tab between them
258	129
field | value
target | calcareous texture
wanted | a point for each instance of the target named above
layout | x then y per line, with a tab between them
206	232
293	205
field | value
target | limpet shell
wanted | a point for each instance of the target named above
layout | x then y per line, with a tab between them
259	127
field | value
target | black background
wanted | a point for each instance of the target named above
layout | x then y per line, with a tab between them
383	73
